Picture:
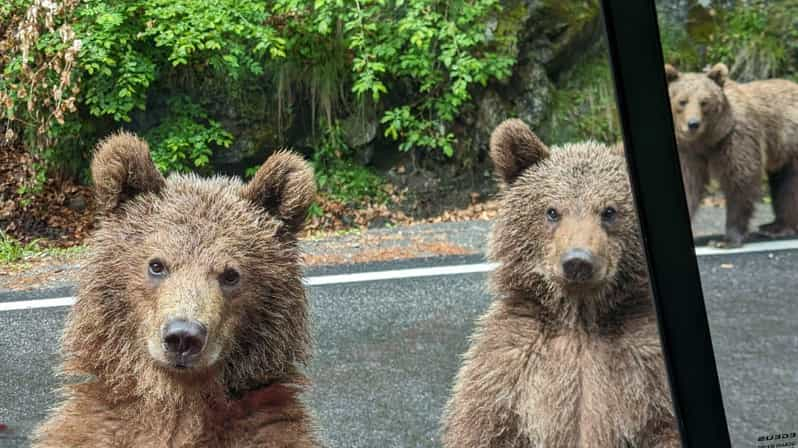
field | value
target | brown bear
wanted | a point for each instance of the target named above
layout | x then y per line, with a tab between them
733	132
568	354
190	327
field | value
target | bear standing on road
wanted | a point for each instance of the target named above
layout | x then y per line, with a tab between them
191	323
568	355
732	132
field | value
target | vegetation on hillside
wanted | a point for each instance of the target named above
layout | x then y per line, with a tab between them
75	70
346	82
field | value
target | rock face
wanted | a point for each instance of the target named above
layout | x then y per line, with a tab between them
550	36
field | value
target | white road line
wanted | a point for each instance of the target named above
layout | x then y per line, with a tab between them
309	281
765	246
768	246
398	273
37	303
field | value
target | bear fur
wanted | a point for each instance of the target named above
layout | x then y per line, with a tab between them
733	132
563	357
218	254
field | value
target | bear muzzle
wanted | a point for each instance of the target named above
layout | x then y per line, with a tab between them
183	342
578	265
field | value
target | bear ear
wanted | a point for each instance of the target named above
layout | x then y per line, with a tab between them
284	185
671	74
718	73
122	169
514	148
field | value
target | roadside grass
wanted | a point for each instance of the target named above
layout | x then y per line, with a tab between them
13	251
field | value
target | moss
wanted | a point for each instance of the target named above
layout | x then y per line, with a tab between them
571	14
678	48
757	40
510	22
584	104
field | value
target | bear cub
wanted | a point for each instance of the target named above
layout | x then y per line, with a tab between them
568	354
191	323
734	132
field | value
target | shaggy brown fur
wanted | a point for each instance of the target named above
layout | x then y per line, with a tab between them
228	259
556	361
738	130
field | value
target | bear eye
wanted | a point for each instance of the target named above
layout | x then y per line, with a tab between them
683	103
230	277
608	214
156	268
552	215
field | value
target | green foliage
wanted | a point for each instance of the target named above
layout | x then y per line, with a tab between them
338	176
129	44
754	38
32	186
437	49
117	54
584	104
678	48
12	250
443	59
757	39
349	182
183	142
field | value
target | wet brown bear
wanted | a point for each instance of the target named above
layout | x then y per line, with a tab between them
732	132
190	326
568	355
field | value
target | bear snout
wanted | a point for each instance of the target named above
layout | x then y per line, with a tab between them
578	265
183	341
693	124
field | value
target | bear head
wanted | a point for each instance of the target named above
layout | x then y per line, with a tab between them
567	231
698	103
190	277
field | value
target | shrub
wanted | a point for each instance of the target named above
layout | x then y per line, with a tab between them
75	70
12	250
756	39
183	142
338	176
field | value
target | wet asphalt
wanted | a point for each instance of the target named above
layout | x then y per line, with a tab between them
387	351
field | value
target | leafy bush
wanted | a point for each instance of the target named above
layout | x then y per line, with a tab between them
183	142
756	38
38	51
436	49
338	176
12	250
76	70
678	48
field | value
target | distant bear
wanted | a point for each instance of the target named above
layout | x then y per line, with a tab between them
733	132
191	322
568	355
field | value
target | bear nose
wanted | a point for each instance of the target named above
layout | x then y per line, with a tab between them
693	123
577	265
184	337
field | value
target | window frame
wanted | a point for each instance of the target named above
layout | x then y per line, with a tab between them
636	58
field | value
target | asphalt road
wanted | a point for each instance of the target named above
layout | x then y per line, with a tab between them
386	351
